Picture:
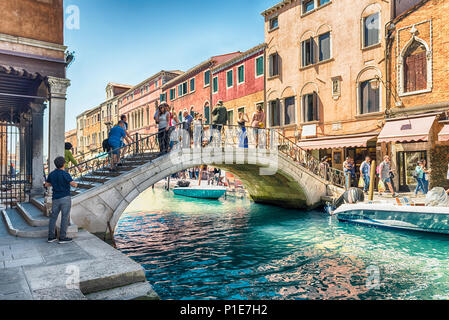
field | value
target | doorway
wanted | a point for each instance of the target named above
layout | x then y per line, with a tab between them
407	162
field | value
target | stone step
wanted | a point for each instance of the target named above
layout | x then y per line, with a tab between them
125	169
140	291
106	174
32	215
85	186
39	203
17	225
95	179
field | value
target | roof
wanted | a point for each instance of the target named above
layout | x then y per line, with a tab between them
70	133
276	7
160	73
240	57
208	63
119	85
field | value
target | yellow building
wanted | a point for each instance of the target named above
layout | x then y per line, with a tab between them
323	61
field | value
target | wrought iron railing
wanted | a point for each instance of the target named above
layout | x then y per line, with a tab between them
146	148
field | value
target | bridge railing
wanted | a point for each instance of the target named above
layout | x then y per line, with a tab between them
209	136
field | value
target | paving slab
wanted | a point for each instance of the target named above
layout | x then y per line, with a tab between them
13	285
141	290
58	293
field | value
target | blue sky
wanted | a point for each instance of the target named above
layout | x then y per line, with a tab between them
126	41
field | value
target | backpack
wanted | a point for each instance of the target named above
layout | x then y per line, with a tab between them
106	146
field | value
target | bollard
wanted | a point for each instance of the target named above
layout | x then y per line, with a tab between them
372	180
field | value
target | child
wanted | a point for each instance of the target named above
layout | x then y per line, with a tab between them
61	182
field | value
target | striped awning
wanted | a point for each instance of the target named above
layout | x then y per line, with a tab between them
337	143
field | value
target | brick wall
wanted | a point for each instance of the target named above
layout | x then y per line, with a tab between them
439	158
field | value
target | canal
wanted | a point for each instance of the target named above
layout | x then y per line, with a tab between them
236	249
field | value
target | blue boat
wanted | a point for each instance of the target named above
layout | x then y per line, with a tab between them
213	193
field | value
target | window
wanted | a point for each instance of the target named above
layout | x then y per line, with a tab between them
274	64
415	68
164	97
307	6
241	110
230	79
172	94
156	83
369	98
310	107
371	30
241	74
207	114
184	88
207	78
308	52
324	41
259	66
180	116
274	23
289	111
275	113
230	117
323	2
215	85
192	84
180	90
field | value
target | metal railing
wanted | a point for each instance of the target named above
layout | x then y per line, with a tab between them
146	148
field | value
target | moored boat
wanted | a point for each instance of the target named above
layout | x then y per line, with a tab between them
213	193
388	215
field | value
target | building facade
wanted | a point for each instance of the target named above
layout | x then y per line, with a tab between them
417	125
71	137
193	89
33	65
322	74
139	102
240	83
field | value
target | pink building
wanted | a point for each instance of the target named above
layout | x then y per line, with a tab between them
192	90
139	102
240	83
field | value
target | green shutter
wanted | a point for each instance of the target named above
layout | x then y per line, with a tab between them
192	85
207	78
241	72
215	84
230	76
259	66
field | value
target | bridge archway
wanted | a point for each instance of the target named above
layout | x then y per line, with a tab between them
270	178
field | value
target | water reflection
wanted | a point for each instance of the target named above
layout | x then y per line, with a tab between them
236	249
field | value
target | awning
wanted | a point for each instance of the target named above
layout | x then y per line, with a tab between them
407	130
336	143
444	134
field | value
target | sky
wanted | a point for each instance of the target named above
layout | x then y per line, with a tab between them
127	41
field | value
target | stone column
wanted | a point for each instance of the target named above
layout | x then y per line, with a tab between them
56	128
37	142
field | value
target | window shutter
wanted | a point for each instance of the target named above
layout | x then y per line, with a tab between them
315	107
312	50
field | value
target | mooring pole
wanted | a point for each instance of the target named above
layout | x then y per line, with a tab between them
372	180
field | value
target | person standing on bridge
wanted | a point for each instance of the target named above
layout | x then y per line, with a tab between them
61	182
128	138
163	121
115	141
219	120
258	124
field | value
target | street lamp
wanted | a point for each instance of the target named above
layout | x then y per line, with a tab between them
375	85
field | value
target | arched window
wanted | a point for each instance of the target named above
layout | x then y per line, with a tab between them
415	67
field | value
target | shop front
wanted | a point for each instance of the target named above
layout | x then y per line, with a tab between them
340	147
409	141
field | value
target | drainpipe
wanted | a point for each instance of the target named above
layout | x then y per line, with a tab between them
389	27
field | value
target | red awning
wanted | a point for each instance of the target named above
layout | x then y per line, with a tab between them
335	143
444	134
408	130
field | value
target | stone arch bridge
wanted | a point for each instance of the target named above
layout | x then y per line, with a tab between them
277	173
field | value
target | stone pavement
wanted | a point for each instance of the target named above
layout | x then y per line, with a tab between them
88	268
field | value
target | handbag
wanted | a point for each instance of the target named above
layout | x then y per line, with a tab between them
381	186
361	183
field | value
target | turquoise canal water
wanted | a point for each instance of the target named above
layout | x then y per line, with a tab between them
235	249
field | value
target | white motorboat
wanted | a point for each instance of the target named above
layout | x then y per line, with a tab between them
393	216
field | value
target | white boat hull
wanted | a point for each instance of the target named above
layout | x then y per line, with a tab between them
421	219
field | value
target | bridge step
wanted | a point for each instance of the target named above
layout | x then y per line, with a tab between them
125	169
95	179
85	186
106	174
39	203
18	227
32	215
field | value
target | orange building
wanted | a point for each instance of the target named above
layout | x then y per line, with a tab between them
417	125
